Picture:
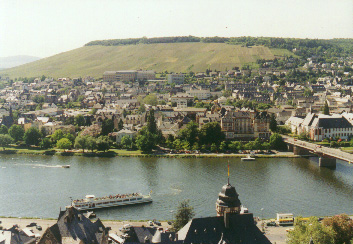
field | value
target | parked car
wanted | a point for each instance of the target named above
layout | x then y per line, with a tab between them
150	223
31	224
39	227
157	223
272	223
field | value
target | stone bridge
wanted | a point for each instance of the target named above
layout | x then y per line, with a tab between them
327	156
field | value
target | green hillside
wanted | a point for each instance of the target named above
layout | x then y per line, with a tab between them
176	57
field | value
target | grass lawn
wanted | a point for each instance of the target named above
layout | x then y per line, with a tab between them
122	152
347	149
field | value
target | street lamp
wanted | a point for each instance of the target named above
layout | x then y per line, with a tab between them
262	220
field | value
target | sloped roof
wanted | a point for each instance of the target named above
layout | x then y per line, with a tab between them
209	230
73	224
328	123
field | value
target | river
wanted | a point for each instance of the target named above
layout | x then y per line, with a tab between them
33	186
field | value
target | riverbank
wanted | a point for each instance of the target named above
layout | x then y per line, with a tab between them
274	234
45	223
138	153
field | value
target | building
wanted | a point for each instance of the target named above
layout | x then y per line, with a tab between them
14	235
128	75
73	227
231	225
145	75
181	100
123	75
120	134
246	124
176	78
335	126
202	94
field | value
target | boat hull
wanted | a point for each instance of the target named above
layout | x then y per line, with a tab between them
248	159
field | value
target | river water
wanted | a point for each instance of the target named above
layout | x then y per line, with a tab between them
33	186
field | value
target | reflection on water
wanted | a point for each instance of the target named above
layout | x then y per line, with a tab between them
37	186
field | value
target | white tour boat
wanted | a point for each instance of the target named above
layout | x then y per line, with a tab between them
92	202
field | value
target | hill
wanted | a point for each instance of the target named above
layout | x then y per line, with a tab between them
176	57
13	61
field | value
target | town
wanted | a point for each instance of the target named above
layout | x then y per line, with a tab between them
209	111
302	103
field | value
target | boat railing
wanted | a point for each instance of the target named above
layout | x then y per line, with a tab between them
119	196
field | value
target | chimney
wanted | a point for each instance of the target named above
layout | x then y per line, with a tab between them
226	219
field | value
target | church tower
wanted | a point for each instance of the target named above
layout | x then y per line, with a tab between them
228	201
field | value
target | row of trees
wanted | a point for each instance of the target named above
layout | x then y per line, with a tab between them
338	230
209	138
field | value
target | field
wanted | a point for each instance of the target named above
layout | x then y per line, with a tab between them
176	57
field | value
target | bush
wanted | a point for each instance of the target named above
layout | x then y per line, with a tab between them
334	144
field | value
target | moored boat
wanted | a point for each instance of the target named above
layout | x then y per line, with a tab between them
92	202
248	158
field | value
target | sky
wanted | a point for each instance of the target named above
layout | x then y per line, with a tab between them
44	28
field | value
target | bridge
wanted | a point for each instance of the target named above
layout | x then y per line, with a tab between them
327	156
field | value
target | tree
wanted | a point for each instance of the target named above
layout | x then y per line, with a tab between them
334	144
235	146
211	133
64	143
16	132
57	135
273	123
79	120
32	136
103	143
120	124
303	136
186	145
45	143
91	143
126	142
4	129
81	142
151	122
5	140
189	133
214	147
276	142
70	136
151	99
145	142
223	147
326	109
93	111
150	135
142	109
342	226
93	130
107	126
184	214
39	99
196	146
304	231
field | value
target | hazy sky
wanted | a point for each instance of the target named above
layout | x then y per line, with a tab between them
46	27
